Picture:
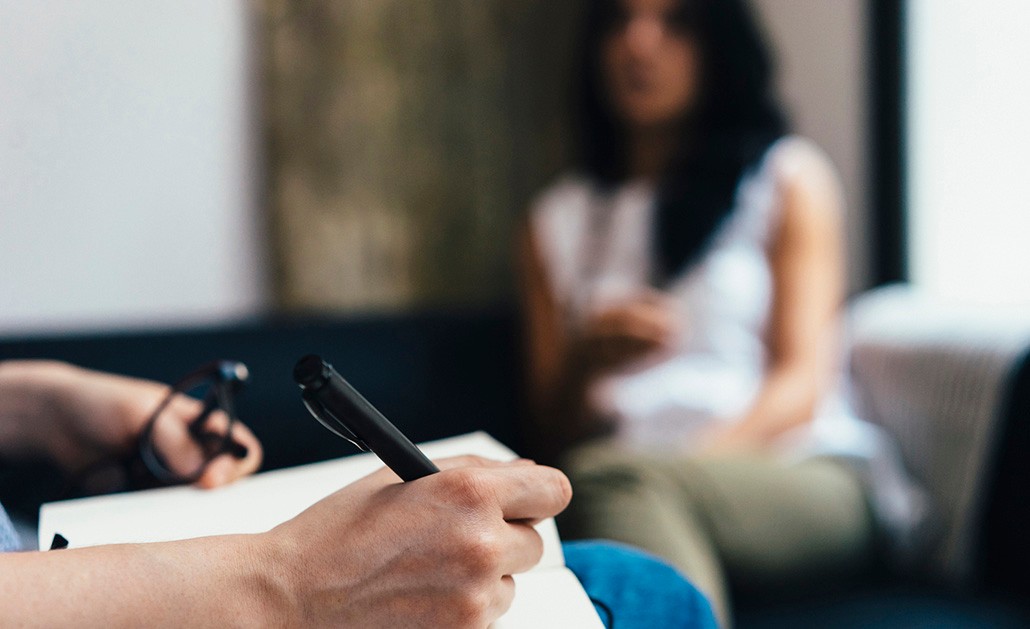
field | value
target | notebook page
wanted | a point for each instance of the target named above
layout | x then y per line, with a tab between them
549	598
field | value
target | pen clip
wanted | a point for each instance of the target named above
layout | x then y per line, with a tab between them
333	424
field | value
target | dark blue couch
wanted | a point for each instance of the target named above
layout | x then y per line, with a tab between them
434	375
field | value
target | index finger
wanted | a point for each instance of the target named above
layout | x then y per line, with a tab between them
226	468
466	460
386	476
651	323
530	492
474	460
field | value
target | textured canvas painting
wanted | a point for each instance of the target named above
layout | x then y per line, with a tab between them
404	138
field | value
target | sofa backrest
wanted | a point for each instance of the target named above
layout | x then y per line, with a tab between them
433	374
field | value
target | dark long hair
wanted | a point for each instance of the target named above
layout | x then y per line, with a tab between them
734	121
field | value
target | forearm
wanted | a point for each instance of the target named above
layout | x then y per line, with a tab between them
214	581
787	399
25	403
556	371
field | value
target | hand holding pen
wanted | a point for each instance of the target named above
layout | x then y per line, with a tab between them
455	537
438	552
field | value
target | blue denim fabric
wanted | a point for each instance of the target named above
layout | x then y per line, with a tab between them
632	589
8	536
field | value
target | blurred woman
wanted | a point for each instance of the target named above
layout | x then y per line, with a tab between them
681	296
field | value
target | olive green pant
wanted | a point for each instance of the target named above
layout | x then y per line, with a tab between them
758	523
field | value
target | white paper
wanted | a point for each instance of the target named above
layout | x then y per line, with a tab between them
545	597
549	598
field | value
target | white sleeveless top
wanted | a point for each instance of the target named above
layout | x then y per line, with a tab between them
598	247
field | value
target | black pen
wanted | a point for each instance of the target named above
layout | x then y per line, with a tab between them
341	409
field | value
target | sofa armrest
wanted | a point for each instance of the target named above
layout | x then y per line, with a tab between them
939	377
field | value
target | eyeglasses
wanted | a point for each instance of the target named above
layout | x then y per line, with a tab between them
172	459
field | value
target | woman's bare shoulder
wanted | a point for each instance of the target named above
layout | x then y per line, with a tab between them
565	195
800	164
566	188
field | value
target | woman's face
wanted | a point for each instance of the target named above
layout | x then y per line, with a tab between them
650	65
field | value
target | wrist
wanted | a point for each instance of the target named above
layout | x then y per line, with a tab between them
269	588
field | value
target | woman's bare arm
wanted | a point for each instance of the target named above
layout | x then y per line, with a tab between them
807	261
547	353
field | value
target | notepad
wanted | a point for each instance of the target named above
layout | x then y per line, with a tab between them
549	595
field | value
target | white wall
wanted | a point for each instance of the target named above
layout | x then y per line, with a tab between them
969	140
822	50
127	161
127	192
